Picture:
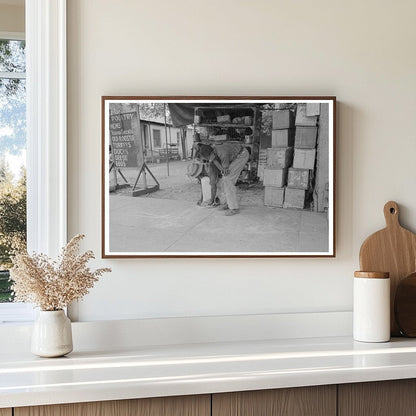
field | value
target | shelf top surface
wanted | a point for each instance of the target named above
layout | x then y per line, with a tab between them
154	371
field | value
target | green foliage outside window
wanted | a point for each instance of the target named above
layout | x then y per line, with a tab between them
12	223
12	145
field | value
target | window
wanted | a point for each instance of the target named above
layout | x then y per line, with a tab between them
12	155
46	135
157	141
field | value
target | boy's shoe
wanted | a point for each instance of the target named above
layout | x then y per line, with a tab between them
232	212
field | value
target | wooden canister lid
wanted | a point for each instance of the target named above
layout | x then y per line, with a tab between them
372	275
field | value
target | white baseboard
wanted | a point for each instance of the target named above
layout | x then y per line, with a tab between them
127	334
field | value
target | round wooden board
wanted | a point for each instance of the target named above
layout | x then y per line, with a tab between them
393	250
405	306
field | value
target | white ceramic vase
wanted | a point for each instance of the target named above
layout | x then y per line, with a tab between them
52	334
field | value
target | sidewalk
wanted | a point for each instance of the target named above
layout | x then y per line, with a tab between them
140	225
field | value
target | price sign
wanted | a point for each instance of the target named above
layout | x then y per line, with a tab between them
126	143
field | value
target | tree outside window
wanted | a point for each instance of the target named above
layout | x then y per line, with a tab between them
12	156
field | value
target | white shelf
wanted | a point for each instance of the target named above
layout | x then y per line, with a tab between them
151	371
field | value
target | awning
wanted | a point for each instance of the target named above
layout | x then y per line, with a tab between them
182	114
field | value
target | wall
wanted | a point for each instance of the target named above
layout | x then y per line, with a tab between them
12	18
360	51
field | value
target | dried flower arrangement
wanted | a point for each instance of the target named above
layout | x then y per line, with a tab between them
53	285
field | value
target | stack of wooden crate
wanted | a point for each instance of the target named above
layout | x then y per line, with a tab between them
300	175
279	158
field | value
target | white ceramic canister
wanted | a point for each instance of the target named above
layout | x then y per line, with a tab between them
371	314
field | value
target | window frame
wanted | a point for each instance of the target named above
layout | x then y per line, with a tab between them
46	138
46	125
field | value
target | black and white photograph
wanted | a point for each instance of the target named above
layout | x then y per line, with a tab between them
218	176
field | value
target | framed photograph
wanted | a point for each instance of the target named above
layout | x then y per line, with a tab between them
218	177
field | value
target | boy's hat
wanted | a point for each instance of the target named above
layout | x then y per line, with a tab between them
194	169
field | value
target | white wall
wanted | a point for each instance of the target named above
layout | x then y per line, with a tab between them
361	51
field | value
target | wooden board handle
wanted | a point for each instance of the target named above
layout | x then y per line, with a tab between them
391	214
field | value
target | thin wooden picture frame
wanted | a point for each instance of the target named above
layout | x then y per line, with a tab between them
153	226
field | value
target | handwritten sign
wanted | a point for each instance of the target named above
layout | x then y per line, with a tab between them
126	142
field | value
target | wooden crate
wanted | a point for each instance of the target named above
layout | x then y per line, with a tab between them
283	138
220	137
304	159
279	157
313	109
283	119
294	198
274	197
305	137
302	119
298	178
224	119
274	177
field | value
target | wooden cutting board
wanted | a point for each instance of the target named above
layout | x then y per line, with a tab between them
393	250
405	306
